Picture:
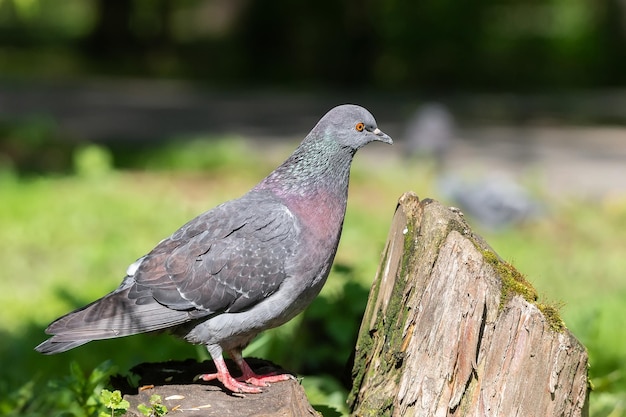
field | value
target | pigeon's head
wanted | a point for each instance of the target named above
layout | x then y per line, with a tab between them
323	159
350	126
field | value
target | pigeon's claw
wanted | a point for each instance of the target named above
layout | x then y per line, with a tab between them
228	381
255	379
231	383
264	380
251	377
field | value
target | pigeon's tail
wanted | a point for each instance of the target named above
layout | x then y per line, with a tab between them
115	315
50	347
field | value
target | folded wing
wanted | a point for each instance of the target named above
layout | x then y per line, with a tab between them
225	260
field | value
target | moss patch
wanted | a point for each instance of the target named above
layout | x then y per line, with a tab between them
515	283
551	313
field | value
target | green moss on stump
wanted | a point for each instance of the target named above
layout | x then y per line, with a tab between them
552	315
515	283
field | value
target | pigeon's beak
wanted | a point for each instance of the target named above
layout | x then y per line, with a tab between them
382	136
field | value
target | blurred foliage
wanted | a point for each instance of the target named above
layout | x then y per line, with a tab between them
92	161
188	154
70	237
433	45
79	394
76	394
35	146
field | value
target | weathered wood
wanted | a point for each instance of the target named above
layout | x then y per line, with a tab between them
452	330
173	381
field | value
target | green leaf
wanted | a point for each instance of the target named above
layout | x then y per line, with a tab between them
159	409
105	396
133	379
77	373
155	399
113	400
145	410
102	372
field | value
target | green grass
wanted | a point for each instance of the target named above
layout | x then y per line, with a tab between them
67	240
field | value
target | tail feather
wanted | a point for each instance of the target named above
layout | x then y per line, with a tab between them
114	315
51	346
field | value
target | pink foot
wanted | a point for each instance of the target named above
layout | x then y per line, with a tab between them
253	378
227	380
263	380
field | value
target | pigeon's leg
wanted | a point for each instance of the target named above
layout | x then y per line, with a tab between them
249	376
223	375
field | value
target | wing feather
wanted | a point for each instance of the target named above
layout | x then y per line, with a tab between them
225	268
226	259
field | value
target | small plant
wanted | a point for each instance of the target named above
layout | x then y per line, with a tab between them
114	402
79	393
156	408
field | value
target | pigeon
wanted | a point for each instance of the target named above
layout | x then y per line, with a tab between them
247	265
430	132
495	201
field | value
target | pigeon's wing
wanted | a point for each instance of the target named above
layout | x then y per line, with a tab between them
225	260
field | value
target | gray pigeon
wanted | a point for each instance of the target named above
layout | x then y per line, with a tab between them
430	132
247	265
494	201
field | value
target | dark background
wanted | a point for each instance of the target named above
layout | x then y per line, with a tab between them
150	69
428	46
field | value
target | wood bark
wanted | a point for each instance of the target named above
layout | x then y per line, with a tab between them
452	330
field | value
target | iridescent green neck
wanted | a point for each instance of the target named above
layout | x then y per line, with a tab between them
318	163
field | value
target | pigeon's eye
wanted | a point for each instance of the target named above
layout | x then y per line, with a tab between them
359	127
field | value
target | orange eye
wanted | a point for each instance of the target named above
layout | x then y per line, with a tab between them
359	127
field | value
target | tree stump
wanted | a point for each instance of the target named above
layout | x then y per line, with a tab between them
173	382
452	330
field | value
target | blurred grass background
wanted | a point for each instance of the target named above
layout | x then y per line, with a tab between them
121	120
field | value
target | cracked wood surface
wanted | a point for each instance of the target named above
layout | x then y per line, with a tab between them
439	339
